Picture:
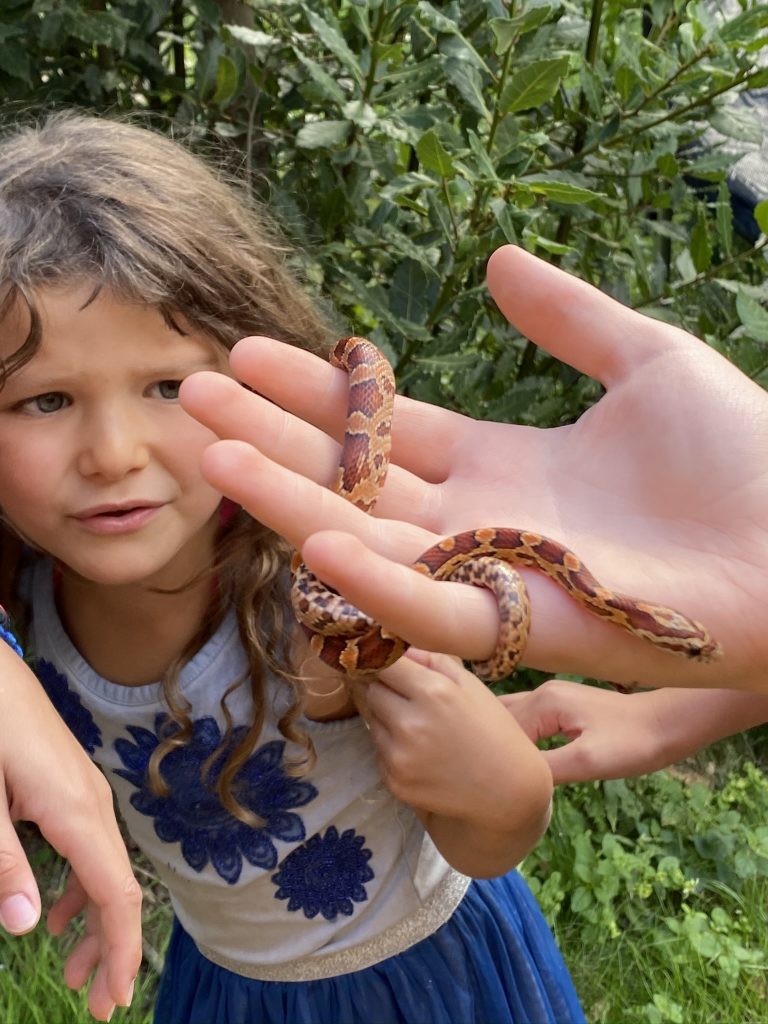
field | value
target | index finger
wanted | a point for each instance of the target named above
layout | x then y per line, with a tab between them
572	320
101	863
315	391
237	415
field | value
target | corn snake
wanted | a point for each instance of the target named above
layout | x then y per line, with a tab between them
348	640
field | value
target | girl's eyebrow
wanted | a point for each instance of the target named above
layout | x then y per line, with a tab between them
52	378
174	367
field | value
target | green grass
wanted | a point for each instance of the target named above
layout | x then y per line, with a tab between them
32	990
667	924
652	979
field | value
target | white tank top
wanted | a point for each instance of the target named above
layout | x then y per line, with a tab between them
340	875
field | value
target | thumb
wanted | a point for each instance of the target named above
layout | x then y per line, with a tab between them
573	762
538	717
19	896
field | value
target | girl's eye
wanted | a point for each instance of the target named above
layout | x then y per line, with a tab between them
168	389
52	401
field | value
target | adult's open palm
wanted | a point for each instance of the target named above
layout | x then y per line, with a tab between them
661	487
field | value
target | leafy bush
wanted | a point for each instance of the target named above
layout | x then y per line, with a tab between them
401	141
672	864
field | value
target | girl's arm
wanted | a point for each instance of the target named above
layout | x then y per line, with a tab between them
449	749
46	777
612	735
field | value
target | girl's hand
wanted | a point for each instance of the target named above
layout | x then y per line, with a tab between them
661	487
46	777
449	749
614	736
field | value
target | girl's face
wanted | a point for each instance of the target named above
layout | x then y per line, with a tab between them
99	464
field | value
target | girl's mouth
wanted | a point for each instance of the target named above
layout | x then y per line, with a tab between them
118	519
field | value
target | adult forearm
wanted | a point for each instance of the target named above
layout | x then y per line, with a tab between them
692	719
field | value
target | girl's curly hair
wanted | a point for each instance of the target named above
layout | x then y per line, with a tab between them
88	200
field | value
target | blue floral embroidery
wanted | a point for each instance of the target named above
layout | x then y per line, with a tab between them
325	875
192	813
7	634
68	704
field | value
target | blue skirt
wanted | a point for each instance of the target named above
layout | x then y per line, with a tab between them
493	962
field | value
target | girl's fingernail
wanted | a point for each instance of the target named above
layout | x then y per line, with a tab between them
129	995
109	1015
17	914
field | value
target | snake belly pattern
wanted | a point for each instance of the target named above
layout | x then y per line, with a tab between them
348	640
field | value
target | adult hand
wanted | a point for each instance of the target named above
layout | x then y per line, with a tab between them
661	487
46	777
615	736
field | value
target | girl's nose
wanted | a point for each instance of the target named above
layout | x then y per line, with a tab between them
112	447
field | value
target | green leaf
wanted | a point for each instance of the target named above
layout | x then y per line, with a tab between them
334	209
559	191
98	28
753	316
227	79
15	62
724	217
701	247
484	163
508	30
534	241
501	211
467	81
759	292
323	134
625	80
760	213
581	899
376	302
361	114
671	1011
534	85
251	37
438	215
10	31
745	26
737	123
227	130
592	88
711	165
641	265
447	363
667	165
432	155
52	29
412	291
332	40
440	23
328	85
668	229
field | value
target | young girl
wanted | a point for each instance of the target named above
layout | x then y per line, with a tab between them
317	858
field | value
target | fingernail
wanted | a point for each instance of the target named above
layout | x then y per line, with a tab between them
109	1015
17	914
128	996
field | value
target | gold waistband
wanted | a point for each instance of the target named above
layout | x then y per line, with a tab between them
393	940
